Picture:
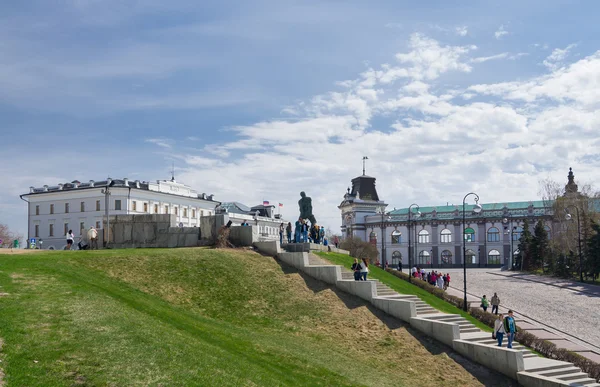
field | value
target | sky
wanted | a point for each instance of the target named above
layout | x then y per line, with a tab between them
259	100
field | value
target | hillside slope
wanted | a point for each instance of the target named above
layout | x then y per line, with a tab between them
202	317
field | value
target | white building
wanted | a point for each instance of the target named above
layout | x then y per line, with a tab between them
52	211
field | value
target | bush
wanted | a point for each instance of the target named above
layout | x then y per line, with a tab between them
546	348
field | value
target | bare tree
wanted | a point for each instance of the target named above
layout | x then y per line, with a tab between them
359	248
7	236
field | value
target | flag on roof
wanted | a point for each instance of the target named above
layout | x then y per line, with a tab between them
280	204
265	202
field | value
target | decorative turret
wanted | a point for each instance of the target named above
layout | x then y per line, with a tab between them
571	188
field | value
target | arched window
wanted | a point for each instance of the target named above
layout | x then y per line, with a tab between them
548	231
446	236
517	231
396	237
396	258
373	237
471	256
469	235
424	258
493	235
423	236
446	257
494	257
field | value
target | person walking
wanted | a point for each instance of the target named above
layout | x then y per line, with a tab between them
356	269
321	234
304	231
499	330
495	303
70	238
298	231
440	281
336	241
281	230
288	231
447	283
364	269
510	327
484	303
93	238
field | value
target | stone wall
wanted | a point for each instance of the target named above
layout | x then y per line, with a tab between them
134	231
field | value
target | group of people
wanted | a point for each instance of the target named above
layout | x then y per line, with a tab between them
304	232
485	303
505	326
84	243
360	269
434	278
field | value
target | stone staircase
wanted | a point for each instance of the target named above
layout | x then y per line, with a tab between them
535	371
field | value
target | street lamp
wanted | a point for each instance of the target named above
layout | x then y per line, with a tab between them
409	240
511	232
106	193
382	212
477	210
569	217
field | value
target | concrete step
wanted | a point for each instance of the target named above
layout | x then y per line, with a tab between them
529	355
574	376
563	371
470	330
444	317
420	312
542	364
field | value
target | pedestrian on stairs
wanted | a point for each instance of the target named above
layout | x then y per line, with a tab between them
495	303
364	269
356	269
288	231
499	329
281	230
510	327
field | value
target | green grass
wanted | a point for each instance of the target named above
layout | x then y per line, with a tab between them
404	287
194	317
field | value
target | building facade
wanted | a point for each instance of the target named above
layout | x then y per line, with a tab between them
433	234
263	217
53	210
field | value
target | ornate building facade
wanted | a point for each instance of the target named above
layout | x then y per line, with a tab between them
433	234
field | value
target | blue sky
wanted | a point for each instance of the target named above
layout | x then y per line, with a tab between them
258	100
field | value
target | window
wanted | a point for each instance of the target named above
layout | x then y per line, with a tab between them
98	224
145	207
424	257
471	256
194	213
117	205
516	234
175	210
446	236
166	209
66	208
494	257
51	230
52	208
469	235
156	208
446	257
81	228
493	235
66	228
37	210
37	230
396	258
423	236
97	205
185	212
396	238
82	207
201	212
548	231
133	205
373	237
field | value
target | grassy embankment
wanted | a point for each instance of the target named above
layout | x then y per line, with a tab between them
201	317
403	287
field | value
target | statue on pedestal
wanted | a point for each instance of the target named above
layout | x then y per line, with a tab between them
305	204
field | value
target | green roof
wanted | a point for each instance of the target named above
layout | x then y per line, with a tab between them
537	204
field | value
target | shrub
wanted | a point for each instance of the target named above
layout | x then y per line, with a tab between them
546	348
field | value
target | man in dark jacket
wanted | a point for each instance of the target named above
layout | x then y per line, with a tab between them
510	327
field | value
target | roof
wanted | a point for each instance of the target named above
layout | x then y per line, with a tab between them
538	204
235	207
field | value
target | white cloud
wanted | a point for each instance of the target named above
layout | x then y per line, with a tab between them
500	32
556	58
462	31
161	142
482	59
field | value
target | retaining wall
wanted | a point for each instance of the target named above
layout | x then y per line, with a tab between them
506	361
442	331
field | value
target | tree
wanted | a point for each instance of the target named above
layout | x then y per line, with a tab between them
593	251
524	247
539	248
359	248
7	236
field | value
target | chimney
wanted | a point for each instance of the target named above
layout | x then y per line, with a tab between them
31	189
91	183
60	186
126	182
137	184
45	188
108	181
76	184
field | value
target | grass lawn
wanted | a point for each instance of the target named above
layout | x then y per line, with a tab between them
402	286
193	317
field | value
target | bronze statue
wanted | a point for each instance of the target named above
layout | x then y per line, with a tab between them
305	204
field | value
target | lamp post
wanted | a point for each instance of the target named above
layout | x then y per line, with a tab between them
511	232
106	193
409	240
476	209
383	256
569	217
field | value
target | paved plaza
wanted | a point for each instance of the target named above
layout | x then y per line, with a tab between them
571	311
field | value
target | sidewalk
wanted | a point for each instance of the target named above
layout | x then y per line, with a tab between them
592	290
541	331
